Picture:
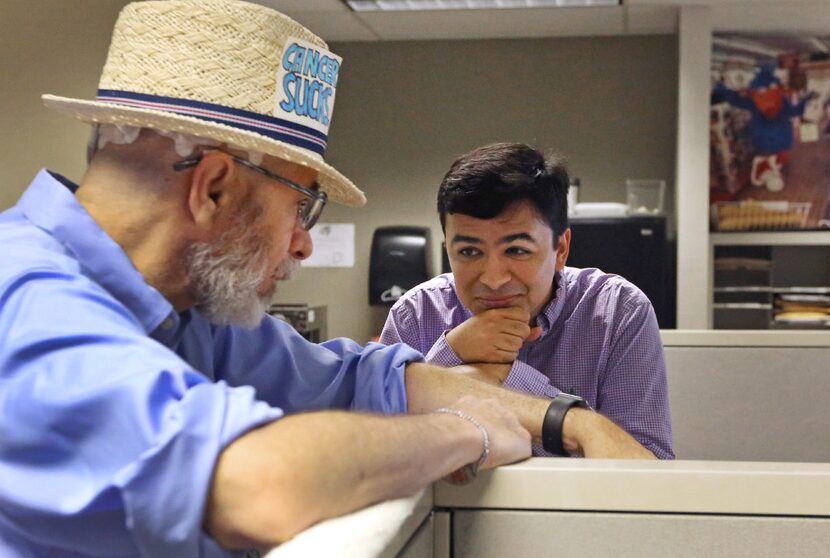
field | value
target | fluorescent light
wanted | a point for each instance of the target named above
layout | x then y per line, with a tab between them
425	5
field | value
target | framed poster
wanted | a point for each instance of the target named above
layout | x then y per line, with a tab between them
769	134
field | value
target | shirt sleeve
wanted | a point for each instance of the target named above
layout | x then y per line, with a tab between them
108	439
402	327
523	377
633	388
291	373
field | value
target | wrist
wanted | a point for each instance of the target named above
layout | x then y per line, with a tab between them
573	428
469	467
561	432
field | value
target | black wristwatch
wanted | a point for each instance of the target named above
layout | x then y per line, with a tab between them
554	418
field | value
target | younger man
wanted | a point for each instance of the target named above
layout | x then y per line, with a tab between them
510	302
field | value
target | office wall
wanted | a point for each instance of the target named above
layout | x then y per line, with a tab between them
47	47
404	111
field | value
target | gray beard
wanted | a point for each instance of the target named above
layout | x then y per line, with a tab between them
227	273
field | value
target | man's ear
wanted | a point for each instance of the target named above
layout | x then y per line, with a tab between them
562	249
213	184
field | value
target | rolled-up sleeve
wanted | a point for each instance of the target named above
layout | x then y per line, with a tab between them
295	375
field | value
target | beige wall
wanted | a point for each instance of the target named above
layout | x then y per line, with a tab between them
47	46
404	111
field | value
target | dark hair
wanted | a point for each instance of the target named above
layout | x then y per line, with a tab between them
488	180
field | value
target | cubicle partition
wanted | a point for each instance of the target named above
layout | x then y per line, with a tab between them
749	395
752	477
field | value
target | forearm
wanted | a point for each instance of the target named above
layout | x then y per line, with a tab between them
280	479
584	432
429	387
588	433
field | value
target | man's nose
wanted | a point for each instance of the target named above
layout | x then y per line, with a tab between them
494	274
301	243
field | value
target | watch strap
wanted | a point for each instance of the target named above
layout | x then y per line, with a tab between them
555	418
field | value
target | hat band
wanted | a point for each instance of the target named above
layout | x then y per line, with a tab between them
272	127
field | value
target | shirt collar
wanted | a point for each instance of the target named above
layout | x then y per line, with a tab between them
547	318
50	204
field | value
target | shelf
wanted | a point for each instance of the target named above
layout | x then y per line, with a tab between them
772	238
741	306
747	289
801	290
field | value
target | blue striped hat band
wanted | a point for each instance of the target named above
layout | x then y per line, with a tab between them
278	129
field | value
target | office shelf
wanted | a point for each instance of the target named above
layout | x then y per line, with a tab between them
755	283
783	238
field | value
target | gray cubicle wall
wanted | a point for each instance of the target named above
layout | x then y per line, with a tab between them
543	534
750	403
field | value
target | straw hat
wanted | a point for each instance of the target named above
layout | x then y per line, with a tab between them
225	70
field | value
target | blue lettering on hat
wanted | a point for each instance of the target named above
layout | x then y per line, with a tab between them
289	57
309	82
311	66
306	97
332	69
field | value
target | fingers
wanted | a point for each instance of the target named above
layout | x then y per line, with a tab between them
507	342
494	336
512	321
500	356
514	313
535	333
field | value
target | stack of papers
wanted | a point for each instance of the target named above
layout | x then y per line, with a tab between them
802	308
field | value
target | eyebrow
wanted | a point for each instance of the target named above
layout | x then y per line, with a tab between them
503	240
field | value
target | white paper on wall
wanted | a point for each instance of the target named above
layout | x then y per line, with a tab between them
333	245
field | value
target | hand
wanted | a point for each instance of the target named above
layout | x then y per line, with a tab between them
509	441
493	336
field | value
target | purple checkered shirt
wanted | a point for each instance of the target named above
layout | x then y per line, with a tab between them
599	340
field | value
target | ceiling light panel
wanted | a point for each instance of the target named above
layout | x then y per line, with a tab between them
426	5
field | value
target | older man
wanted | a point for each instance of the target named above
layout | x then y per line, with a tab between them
511	302
148	407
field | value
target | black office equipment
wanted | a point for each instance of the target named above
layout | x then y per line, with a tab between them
401	258
633	247
309	321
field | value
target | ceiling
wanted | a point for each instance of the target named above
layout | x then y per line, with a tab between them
334	21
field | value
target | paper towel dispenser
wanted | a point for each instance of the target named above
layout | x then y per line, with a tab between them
401	258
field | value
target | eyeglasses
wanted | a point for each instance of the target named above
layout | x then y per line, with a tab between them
309	211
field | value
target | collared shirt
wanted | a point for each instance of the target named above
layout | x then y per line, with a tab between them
600	340
114	408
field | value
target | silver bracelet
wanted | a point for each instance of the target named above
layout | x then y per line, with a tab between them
472	468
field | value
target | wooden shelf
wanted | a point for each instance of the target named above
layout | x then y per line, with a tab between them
779	238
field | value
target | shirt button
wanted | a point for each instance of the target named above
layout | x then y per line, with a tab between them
167	324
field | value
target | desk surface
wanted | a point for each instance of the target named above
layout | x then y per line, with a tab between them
718	487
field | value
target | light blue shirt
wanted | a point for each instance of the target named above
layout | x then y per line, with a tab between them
114	408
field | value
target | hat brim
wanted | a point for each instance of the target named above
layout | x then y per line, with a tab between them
339	188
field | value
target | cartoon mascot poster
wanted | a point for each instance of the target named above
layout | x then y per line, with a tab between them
769	146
